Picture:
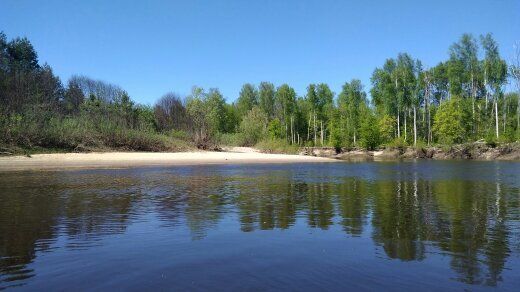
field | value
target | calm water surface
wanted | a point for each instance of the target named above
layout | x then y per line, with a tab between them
425	225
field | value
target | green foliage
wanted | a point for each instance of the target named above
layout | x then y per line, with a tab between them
144	118
252	127
495	67
285	103
454	102
178	134
351	102
277	146
463	66
208	115
369	131
450	121
325	98
247	99
232	119
386	128
509	135
233	139
266	98
37	128
421	144
397	143
215	110
491	140
336	140
274	128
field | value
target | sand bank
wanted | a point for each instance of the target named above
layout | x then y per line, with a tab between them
133	159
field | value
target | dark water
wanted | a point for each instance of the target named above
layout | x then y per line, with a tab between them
362	226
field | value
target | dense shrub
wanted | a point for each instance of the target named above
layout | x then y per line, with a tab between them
43	129
369	132
451	120
252	127
233	139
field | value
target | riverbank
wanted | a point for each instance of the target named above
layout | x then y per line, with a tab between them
244	155
239	155
469	151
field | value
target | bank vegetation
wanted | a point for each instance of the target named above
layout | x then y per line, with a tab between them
462	99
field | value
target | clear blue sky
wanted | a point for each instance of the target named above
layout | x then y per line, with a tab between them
151	47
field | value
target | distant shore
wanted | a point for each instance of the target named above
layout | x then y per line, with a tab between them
237	155
468	151
246	155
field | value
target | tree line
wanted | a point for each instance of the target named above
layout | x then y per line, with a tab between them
459	100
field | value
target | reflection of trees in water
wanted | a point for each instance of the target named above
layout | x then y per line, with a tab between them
271	203
320	209
479	236
465	205
398	223
37	209
204	206
464	219
460	217
352	196
513	203
471	222
198	199
276	202
496	248
28	223
90	216
169	205
100	205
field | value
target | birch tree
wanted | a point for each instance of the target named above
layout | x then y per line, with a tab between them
495	73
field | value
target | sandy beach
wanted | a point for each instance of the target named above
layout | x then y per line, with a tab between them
133	159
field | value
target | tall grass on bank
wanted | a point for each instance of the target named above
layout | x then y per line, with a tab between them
277	146
42	130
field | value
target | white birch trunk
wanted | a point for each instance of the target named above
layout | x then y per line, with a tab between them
405	125
398	126
414	128
321	133
496	116
315	137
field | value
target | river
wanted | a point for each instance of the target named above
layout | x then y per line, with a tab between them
429	225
